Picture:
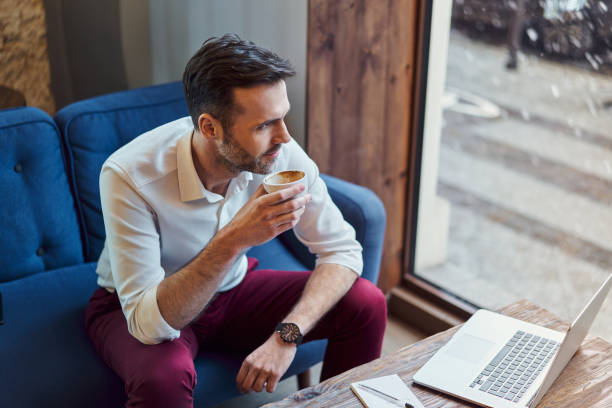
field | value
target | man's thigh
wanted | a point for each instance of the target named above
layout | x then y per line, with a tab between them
244	317
128	357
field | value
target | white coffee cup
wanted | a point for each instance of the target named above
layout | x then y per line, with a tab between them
284	179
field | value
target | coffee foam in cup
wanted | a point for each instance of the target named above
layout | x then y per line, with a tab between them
284	179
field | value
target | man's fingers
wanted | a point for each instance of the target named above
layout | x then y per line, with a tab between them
284	227
249	380
290	218
296	203
259	383
271	384
242	373
290	206
282	195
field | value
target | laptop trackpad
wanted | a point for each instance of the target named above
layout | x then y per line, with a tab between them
469	348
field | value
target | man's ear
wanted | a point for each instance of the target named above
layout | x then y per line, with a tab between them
209	126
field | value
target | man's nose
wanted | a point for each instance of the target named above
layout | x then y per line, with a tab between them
283	135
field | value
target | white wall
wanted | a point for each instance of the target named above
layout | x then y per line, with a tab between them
179	27
134	18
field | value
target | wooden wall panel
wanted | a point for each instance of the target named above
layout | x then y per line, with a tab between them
360	87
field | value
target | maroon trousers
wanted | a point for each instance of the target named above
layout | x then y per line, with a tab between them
163	375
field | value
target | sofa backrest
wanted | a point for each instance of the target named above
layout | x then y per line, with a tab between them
94	128
38	223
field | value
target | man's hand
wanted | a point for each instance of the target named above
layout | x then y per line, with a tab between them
265	216
266	365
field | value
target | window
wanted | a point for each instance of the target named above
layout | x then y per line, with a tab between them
515	195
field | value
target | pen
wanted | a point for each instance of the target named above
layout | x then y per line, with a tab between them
386	396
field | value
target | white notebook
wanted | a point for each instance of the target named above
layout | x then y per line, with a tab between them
391	385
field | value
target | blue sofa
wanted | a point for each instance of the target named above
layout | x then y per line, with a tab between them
52	233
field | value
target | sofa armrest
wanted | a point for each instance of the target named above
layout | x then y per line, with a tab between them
361	208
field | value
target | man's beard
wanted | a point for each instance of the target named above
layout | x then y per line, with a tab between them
233	156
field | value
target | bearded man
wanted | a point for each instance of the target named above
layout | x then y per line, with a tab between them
182	205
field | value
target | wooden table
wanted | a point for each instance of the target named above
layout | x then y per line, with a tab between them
585	382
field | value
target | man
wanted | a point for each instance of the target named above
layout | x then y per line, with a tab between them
515	34
183	203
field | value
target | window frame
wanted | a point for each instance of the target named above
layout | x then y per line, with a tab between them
444	309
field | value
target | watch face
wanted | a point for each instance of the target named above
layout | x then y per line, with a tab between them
290	332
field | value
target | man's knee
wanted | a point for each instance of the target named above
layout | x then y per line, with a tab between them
166	382
367	300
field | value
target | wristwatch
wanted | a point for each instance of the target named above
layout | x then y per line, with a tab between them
289	333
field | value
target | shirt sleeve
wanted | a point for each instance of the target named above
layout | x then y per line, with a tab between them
132	240
322	228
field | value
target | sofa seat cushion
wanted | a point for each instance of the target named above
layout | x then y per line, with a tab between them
47	359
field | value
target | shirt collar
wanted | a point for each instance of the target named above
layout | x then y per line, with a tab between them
190	185
239	183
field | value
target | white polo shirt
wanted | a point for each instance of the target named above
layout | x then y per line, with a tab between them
158	217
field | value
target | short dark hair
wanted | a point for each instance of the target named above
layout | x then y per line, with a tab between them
222	64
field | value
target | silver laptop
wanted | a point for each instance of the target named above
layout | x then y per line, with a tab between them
497	361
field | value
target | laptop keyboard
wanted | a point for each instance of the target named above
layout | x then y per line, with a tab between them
516	366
